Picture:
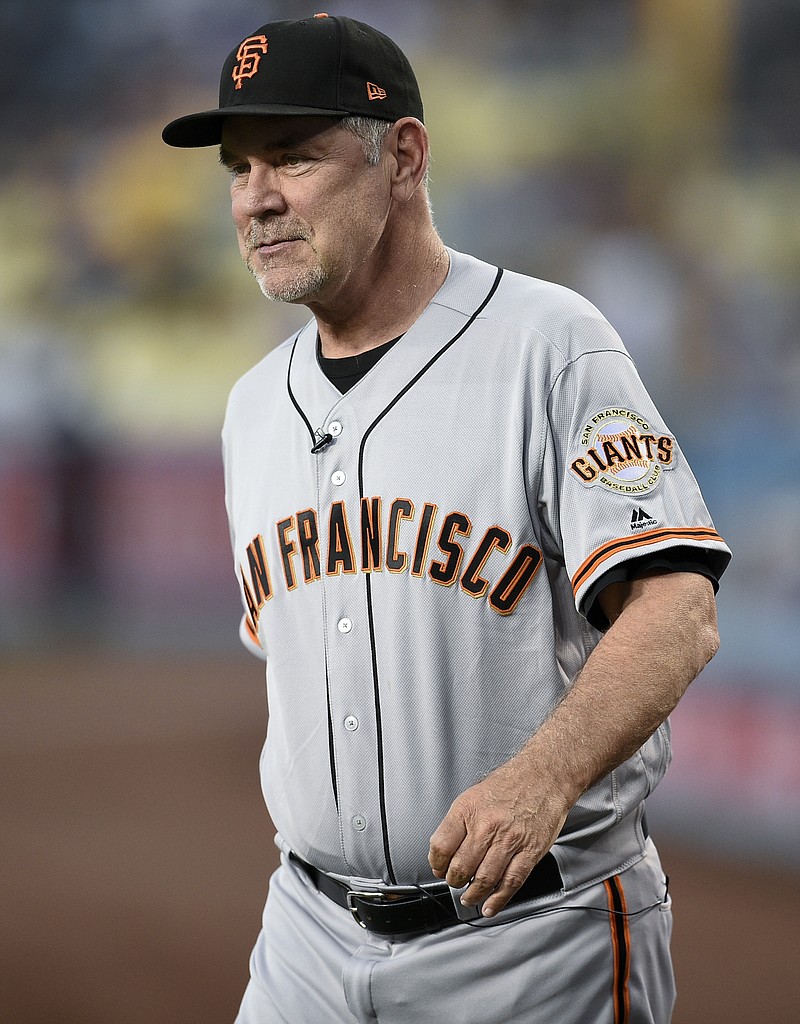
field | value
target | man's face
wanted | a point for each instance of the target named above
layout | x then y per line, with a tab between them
309	211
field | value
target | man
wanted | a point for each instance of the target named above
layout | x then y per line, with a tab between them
478	568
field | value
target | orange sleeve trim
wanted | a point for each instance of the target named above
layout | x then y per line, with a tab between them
613	547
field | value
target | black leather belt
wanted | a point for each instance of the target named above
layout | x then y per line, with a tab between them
410	911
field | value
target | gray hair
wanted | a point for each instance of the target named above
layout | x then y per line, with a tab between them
372	132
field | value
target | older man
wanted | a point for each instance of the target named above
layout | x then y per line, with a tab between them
477	565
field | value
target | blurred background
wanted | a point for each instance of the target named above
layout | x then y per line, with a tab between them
645	153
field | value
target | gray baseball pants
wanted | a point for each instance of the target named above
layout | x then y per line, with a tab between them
313	964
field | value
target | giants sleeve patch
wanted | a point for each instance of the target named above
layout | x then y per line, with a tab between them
620	451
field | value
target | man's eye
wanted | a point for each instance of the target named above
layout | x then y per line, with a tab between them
292	160
238	170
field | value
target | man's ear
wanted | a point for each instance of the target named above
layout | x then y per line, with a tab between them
410	149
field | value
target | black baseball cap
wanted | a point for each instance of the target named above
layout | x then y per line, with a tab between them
320	66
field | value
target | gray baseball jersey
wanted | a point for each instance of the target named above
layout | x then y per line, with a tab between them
423	583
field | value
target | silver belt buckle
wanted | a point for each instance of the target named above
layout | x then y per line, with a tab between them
352	894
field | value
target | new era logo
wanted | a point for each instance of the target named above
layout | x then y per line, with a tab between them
374	92
641	520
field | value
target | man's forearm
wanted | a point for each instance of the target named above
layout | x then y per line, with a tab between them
663	632
662	636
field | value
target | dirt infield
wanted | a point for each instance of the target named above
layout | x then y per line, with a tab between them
136	853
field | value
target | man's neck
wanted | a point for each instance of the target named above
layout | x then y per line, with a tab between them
389	305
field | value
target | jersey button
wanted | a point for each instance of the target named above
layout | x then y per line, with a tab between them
351	723
345	625
334	428
338	478
358	822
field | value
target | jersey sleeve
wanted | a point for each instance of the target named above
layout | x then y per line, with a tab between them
249	639
673	559
247	634
621	495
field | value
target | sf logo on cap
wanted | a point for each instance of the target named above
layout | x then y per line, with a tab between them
249	56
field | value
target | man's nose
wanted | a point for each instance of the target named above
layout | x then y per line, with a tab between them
262	194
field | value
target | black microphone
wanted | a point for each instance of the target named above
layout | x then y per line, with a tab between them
323	440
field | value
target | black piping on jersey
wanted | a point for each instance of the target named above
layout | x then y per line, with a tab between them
331	750
373	647
368	578
294	401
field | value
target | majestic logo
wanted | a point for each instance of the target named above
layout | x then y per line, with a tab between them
374	92
249	56
622	452
641	520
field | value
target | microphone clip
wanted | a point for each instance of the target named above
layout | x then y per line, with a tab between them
322	442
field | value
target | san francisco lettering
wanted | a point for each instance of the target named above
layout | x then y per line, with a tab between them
398	538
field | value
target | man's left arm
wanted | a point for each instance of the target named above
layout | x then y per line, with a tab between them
663	632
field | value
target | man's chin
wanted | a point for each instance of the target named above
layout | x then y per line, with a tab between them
297	289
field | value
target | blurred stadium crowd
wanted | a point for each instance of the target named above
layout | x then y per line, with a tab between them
645	153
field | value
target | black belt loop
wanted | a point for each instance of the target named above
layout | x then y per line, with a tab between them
413	911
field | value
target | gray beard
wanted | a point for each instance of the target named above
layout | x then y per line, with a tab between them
303	286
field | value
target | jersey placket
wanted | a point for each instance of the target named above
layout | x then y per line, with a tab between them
354	726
